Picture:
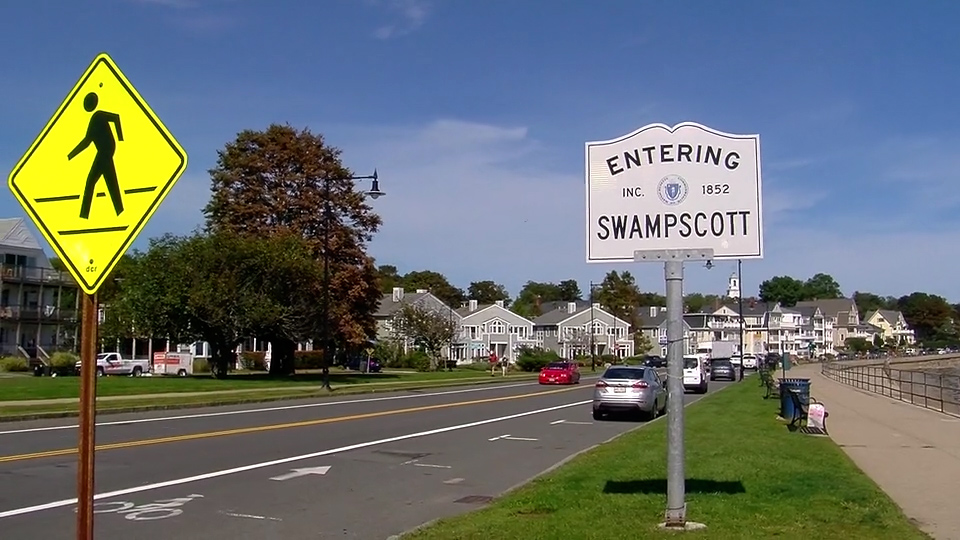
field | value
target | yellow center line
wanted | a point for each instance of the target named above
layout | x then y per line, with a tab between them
272	427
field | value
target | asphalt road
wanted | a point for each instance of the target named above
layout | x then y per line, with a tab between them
360	467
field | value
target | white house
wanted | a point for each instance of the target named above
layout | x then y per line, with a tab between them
38	305
492	328
391	304
574	328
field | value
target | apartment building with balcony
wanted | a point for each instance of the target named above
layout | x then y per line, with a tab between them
653	324
815	336
494	329
573	329
842	316
38	304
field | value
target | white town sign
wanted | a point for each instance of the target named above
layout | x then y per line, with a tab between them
688	187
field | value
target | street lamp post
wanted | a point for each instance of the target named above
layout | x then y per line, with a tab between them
327	334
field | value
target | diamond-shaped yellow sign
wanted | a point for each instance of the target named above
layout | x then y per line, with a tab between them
97	172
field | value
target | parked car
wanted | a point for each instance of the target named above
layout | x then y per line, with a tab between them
365	365
749	361
114	364
655	361
694	374
722	368
560	373
632	389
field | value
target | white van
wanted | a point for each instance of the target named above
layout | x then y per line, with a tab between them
694	374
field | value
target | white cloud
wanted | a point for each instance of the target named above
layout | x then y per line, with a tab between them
406	16
477	201
194	15
474	201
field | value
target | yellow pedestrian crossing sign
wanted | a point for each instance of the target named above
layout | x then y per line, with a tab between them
97	172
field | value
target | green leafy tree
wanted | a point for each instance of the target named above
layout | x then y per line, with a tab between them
821	287
642	344
927	314
857	344
569	290
388	278
488	292
283	181
436	283
428	329
652	299
867	302
220	288
784	289
535	293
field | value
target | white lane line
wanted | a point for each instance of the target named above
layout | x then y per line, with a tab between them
250	516
557	422
512	438
268	409
577	423
432	465
282	461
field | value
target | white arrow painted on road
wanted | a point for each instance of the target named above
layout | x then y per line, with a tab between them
510	438
296	473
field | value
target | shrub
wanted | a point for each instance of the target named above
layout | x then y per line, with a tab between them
14	364
530	360
417	360
63	360
308	360
200	365
253	361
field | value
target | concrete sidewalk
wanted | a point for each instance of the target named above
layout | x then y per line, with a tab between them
912	453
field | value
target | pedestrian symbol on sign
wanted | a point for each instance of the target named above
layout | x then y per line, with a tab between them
100	134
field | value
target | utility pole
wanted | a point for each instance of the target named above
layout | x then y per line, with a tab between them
740	305
593	348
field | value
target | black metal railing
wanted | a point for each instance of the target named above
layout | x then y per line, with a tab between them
936	391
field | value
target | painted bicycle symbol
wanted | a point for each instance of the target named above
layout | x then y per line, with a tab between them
161	509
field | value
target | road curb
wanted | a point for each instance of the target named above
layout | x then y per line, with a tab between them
549	469
264	399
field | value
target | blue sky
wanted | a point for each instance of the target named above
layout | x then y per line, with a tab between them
475	114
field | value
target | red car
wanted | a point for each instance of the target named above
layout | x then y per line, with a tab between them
560	373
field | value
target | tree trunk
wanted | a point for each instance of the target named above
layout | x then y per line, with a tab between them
282	356
221	357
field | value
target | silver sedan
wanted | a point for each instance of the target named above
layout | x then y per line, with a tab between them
634	389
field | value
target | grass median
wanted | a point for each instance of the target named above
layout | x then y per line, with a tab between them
147	397
748	477
26	387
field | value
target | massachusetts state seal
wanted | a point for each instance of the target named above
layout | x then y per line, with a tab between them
672	189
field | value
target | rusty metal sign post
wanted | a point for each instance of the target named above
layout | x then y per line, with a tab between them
90	182
88	417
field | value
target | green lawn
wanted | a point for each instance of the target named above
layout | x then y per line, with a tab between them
25	387
748	477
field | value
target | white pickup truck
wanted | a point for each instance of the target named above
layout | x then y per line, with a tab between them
112	363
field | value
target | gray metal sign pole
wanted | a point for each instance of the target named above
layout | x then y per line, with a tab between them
676	513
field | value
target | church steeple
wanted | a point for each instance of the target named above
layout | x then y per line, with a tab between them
733	286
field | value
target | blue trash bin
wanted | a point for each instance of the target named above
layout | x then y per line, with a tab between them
801	387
